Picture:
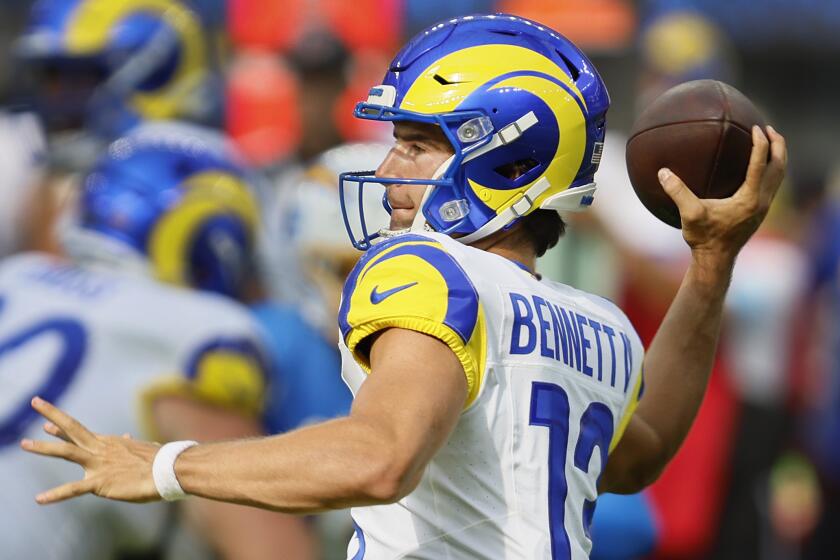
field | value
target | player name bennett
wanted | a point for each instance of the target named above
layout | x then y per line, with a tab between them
593	348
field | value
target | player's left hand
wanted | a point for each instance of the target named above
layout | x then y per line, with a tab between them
118	468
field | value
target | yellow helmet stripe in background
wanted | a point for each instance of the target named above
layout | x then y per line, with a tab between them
487	62
94	21
208	194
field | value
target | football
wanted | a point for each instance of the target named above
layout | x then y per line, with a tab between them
700	130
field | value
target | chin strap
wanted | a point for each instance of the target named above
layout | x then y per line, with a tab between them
521	206
573	199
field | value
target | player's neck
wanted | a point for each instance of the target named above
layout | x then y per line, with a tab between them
510	245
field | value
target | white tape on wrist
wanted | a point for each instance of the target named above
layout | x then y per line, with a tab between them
163	470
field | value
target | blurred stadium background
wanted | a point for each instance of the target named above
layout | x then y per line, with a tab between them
759	476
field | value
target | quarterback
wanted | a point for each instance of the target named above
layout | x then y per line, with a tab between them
490	407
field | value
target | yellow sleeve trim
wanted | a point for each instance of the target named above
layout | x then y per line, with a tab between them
167	386
224	379
473	368
179	386
628	413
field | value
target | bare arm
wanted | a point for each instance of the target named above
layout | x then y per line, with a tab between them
402	415
678	363
234	531
676	368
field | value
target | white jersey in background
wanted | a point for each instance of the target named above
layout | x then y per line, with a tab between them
102	345
553	376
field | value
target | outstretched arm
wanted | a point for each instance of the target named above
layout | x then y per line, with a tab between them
235	532
402	415
678	363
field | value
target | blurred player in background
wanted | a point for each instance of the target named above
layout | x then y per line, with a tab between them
141	330
318	65
820	430
309	388
100	67
94	69
23	163
301	334
624	527
472	433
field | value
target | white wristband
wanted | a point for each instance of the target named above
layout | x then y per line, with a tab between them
163	470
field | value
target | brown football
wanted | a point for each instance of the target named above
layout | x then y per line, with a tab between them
700	130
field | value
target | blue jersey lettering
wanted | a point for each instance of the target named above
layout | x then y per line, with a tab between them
569	337
523	316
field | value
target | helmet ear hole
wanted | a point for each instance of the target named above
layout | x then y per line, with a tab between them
219	256
516	169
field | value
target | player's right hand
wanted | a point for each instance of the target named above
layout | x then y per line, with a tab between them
118	468
718	228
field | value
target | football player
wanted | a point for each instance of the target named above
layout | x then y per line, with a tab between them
22	158
301	334
114	334
100	67
94	69
308	387
487	402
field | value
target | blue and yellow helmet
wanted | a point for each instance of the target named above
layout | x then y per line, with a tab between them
112	63
172	197
508	93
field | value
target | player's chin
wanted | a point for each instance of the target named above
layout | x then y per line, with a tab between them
401	218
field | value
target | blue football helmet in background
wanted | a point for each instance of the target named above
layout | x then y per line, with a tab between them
105	65
523	108
170	199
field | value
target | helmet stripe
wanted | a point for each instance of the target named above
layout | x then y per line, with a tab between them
486	62
92	24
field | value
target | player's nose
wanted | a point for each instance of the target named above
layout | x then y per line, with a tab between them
391	167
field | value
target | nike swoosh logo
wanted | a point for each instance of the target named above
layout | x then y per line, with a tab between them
379	297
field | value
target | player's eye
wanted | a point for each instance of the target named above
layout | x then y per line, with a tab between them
416	149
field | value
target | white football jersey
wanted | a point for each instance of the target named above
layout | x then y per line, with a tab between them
102	345
553	375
